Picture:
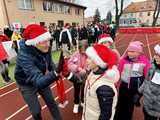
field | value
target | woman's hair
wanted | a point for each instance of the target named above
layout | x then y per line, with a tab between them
82	43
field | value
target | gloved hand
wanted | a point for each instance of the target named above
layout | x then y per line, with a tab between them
71	77
136	99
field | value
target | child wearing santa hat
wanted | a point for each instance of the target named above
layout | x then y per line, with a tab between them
106	39
133	69
150	89
35	71
100	92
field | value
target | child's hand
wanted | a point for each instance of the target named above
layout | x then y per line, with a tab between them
82	71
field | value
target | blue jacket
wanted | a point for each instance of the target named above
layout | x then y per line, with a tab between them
31	67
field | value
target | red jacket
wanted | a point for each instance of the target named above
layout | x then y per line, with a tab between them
3	54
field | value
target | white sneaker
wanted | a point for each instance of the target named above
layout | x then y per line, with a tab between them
75	108
63	105
82	104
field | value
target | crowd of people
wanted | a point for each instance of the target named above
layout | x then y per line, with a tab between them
106	85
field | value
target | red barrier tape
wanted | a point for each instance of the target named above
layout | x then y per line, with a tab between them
140	30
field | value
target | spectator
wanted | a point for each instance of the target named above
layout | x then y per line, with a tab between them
105	39
3	61
15	37
66	39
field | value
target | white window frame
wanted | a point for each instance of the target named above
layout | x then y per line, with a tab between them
25	5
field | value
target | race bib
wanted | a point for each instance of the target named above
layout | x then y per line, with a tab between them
156	78
135	67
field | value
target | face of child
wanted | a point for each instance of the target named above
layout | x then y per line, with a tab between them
43	46
107	44
91	64
82	49
133	54
157	58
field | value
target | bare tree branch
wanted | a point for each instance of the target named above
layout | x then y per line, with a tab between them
119	13
156	12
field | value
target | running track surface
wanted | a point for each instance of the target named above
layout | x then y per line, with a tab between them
12	106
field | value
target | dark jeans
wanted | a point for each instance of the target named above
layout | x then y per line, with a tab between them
4	71
78	88
125	105
149	117
30	96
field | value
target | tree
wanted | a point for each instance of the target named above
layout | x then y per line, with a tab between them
109	17
156	12
97	17
119	11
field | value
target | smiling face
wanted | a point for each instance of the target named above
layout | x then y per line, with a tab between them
43	46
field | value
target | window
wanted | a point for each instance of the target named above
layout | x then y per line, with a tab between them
61	8
47	6
149	13
55	7
131	14
25	4
77	11
140	14
67	10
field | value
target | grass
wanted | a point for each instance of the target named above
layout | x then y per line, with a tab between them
55	57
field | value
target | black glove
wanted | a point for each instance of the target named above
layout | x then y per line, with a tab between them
71	77
136	99
56	75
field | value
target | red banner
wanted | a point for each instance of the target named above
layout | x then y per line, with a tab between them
140	30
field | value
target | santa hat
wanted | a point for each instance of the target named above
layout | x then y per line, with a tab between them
35	34
157	49
102	56
136	46
105	38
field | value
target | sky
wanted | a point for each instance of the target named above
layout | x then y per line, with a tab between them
103	5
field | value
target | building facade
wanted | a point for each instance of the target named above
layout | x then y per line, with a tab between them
44	12
89	20
139	14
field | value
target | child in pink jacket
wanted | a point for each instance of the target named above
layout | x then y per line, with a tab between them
133	69
78	66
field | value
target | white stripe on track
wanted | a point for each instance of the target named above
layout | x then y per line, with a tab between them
8	92
150	54
7	85
22	108
43	107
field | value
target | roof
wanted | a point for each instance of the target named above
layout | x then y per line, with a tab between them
71	3
144	6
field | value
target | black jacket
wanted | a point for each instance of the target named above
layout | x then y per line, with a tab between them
105	96
31	67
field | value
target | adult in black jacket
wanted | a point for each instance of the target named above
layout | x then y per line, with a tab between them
66	39
35	71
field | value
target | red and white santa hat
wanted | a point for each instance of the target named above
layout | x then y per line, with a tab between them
157	49
105	38
35	34
102	55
